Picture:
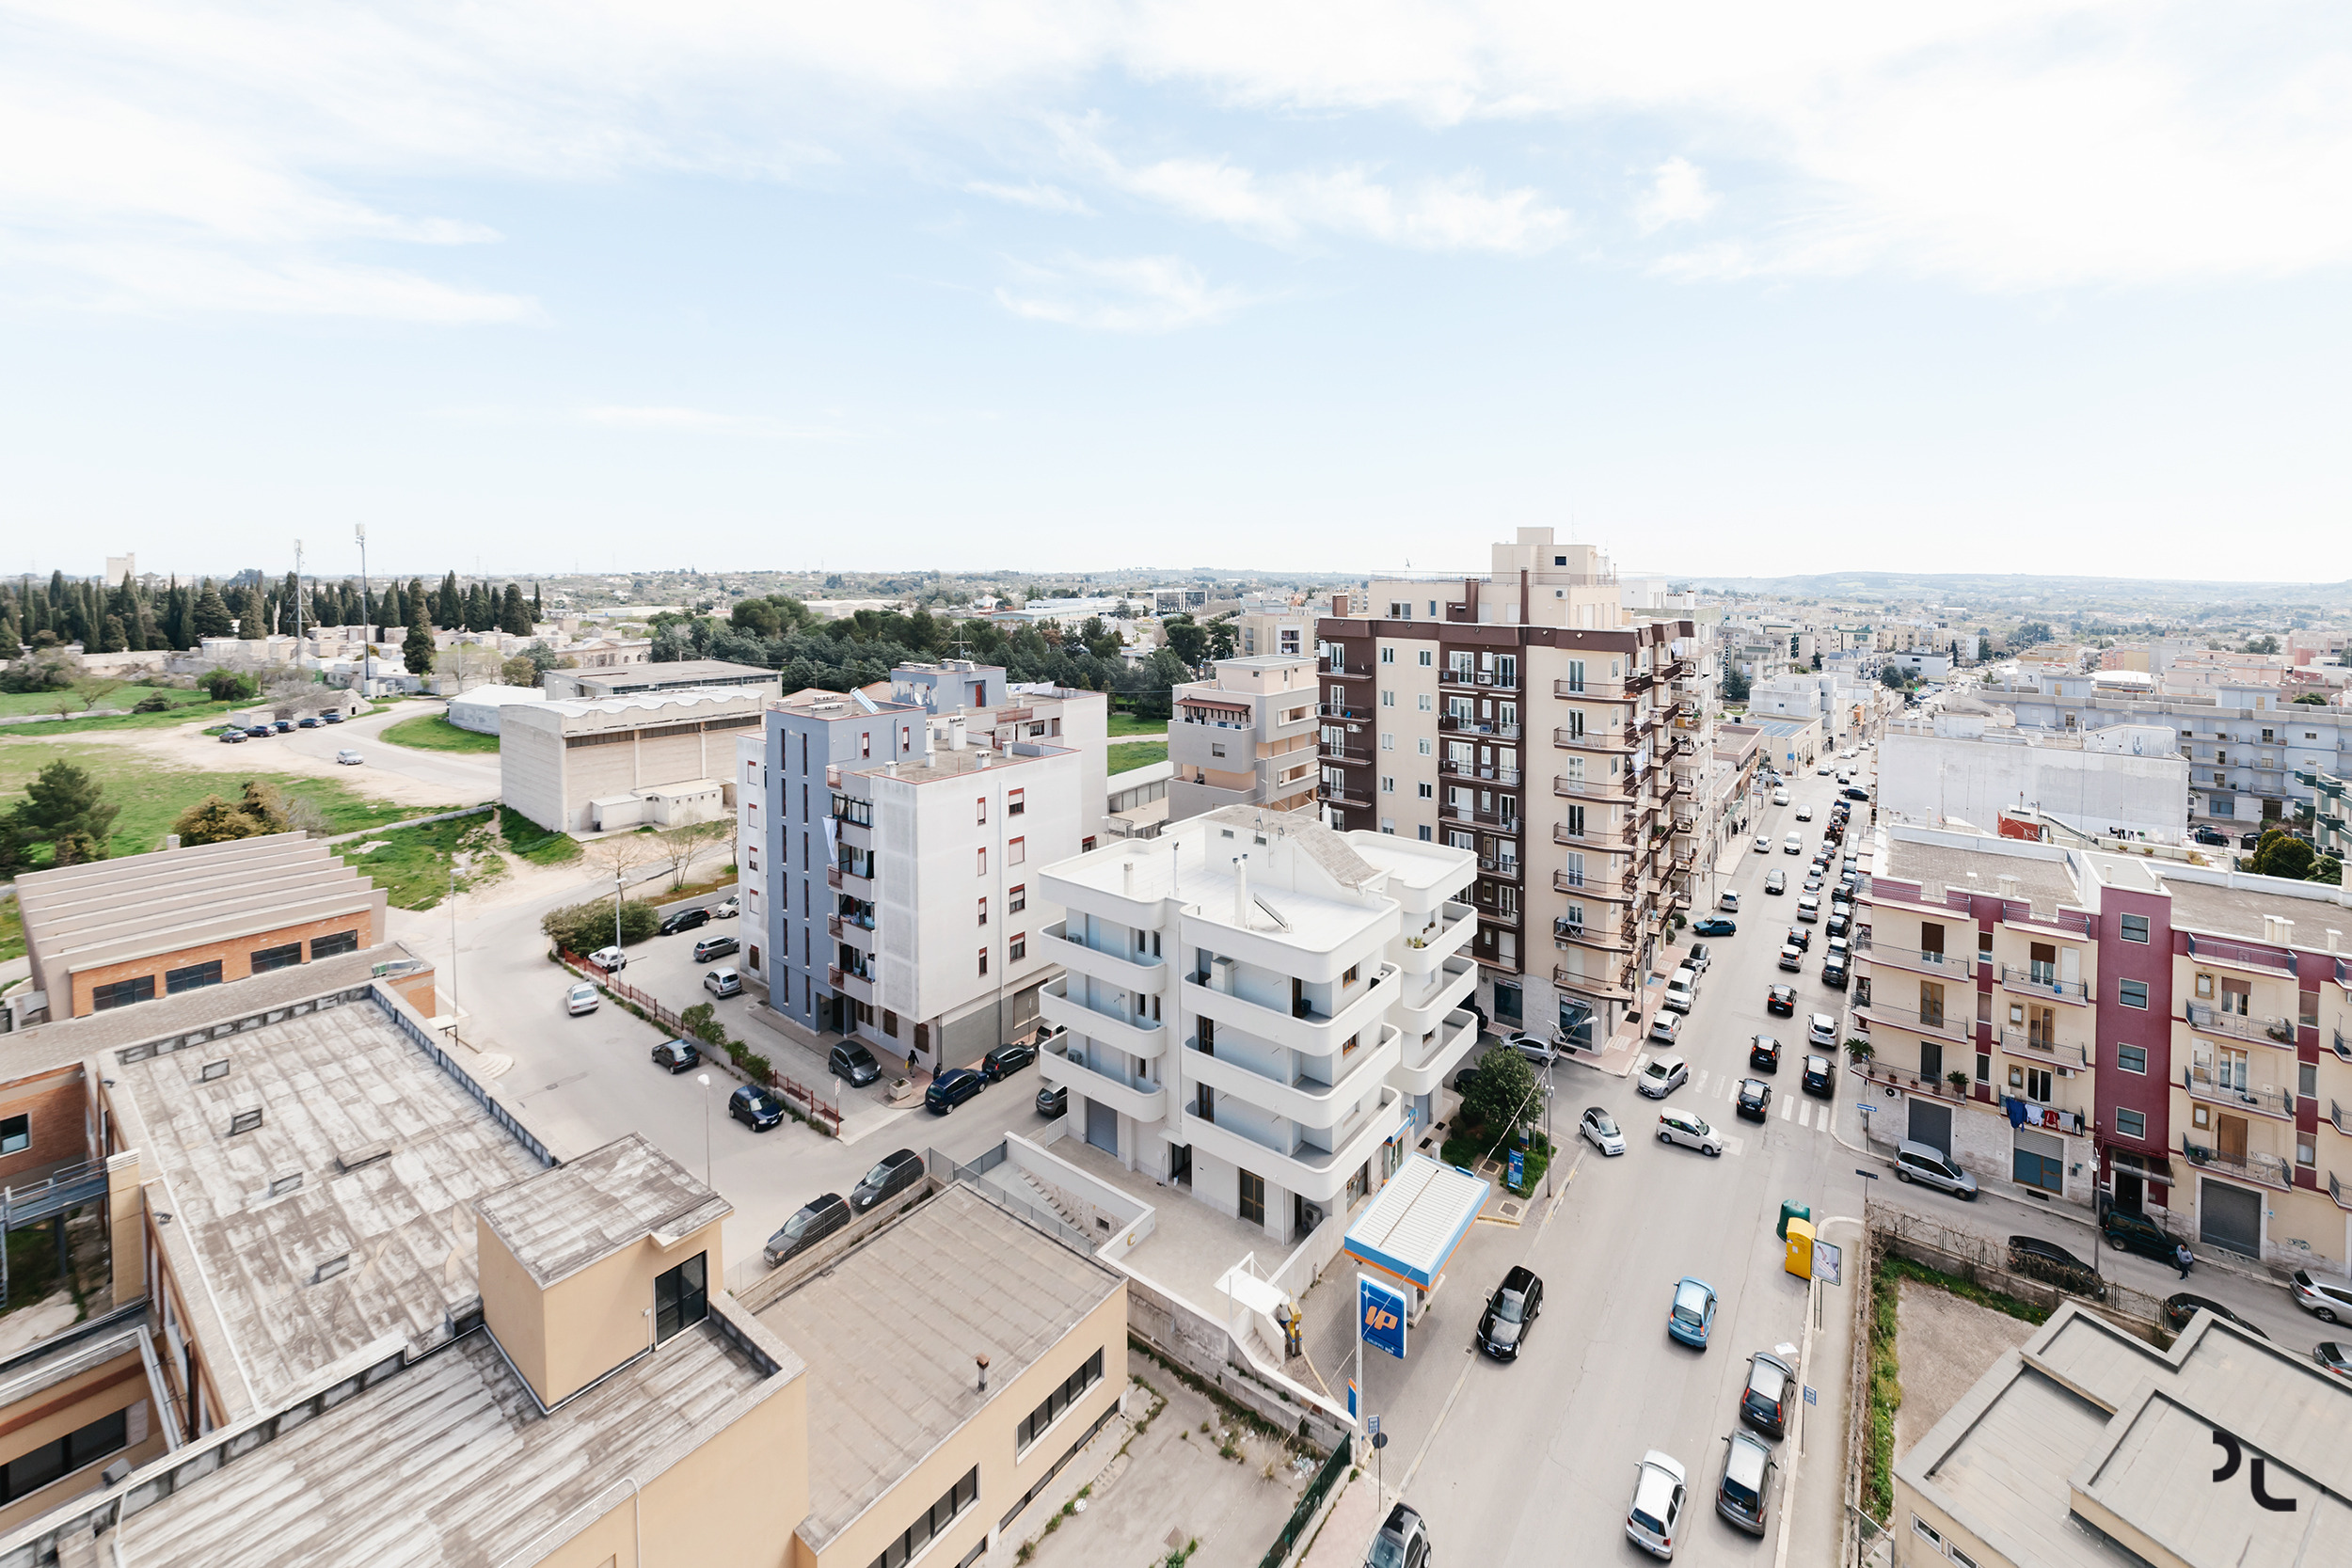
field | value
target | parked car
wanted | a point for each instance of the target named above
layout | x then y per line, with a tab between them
307	722
714	947
1403	1541
283	726
1820	1078
1833	972
2054	1265
1662	1076
1679	994
1925	1163
756	1108
809	1224
853	1061
2209	836
1809	903
2127	1232
1856	792
1692	1317
1764	1404
1665	1026
2329	1303
349	758
1820	1029
1053	1100
723	982
1691	1131
1729	900
1698	960
685	920
1510	1311
1739	1497
897	1171
232	737
952	1089
727	909
1600	1130
1764	1053
1839	924
608	959
1464	1077
1793	845
1763	843
1654	1519
1538	1050
257	732
1755	1100
1006	1060
581	998
2179	1309
676	1056
1793	959
1714	925
1780	797
1776	883
1781	1001
2334	1356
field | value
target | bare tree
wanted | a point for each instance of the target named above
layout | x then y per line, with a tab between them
469	664
681	844
94	690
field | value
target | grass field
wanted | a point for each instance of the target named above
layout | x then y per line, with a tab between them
1125	724
433	732
12	930
198	705
413	865
1127	755
527	840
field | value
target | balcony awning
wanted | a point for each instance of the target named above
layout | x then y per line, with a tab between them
1411	1228
1218	703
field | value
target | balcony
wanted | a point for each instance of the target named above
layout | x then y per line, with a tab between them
1343	711
857	983
1685	859
2070	923
1300	1028
1131	972
1326	672
1955	967
1460	979
1299	1099
2341	1194
1497	774
1615	840
2238	956
2205	1083
1502	867
1454	724
1500	821
1595	741
1479	680
1620	788
2268	1169
1426	950
1339	795
2035	980
1615	889
1949	1026
2343	1047
2042	1048
1313	1174
1607	988
1426	1064
846	929
1136	1036
2337	1120
2207	1020
1136	1096
1591	937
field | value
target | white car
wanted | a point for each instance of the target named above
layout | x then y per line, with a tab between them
1654	1518
1664	1075
1763	843
1600	1130
1793	845
1665	1026
723	982
581	998
1820	1029
1539	1050
1730	902
727	910
1780	797
1804	813
349	758
1680	991
1682	1127
608	959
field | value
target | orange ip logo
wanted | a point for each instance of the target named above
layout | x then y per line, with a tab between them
1378	1319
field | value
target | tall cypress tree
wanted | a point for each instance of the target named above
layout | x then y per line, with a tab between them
513	615
210	616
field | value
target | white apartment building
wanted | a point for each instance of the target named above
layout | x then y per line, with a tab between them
1258	1007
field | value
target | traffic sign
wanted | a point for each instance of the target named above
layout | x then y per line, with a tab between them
1809	1396
1518	1169
1372	1424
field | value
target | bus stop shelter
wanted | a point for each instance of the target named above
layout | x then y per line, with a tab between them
1409	1231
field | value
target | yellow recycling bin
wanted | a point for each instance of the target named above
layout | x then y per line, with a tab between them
1801	1249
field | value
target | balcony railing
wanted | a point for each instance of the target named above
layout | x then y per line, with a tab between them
2336	1115
1342	710
1616	987
2207	1020
1499	867
1596	690
1492	771
1343	675
2269	1169
1482	679
2342	1195
1615	890
1618	840
1595	741
1340	796
1951	966
2343	1047
1596	789
1454	724
2035	981
2202	1082
1590	936
2042	1048
1950	1026
1355	756
1502	821
2241	955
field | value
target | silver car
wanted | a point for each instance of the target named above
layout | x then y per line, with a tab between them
1691	1131
1820	1029
1655	1519
1600	1130
581	998
1662	1076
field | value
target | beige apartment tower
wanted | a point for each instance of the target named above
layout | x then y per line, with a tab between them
1244	738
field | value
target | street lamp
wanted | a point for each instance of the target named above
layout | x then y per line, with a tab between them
704	1079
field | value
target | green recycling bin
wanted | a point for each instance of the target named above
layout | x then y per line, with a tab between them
1792	1211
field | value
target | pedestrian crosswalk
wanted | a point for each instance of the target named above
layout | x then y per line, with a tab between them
1798	1112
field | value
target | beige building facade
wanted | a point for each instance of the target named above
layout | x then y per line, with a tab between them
1247	737
616	762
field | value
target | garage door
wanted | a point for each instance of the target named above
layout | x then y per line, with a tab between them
1102	1127
2040	1160
1931	1124
2228	1217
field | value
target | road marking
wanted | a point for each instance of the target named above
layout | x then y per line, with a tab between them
1787	1109
1734	1145
1702	1082
1640	1061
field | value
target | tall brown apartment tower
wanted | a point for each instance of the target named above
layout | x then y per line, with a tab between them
1534	718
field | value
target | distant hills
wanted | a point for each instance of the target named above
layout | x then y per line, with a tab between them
1984	588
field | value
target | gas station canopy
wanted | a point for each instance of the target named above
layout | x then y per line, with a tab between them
1411	1228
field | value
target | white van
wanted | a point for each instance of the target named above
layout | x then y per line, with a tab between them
1681	991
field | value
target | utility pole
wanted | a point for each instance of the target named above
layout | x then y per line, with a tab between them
704	1079
367	608
298	597
452	952
616	906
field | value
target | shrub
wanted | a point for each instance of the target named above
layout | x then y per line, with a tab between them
585	928
154	702
228	686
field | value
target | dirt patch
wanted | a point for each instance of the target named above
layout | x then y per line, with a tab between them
1943	1345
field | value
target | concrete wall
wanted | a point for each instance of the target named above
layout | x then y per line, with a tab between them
583	1326
55	1106
117	1383
1927	777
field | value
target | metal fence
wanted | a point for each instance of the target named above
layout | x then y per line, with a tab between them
1310	1501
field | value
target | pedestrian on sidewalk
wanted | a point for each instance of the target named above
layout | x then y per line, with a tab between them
2182	1257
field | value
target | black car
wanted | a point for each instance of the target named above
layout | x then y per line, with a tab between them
1850	793
853	1061
1800	937
1820	1077
232	737
2179	1309
952	1089
1510	1311
895	1175
1781	1000
2054	1265
754	1107
1764	1404
331	717
1403	1541
677	1056
1053	1100
714	947
283	726
1464	1078
1764	1053
1747	1477
815	1221
2127	1232
311	724
685	920
2209	836
1755	1100
1006	1060
259	732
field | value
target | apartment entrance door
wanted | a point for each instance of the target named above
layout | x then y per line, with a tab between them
2229	1138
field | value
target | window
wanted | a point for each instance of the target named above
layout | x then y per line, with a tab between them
1073	1389
1428	791
327	947
2134	928
121	994
932	1522
1388	699
750	956
681	1298
983	912
2132	993
193	977
1426	661
890	1024
1016	850
1424	747
264	960
1253	1198
1085	844
1015	801
1018	948
983	963
28	1473
1388	656
983	862
2130	1124
1921	1527
1427	703
1388	783
1349	979
2132	1058
1016	898
981	806
16	1135
1387	741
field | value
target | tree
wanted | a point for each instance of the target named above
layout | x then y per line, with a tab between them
228	686
1224	638
2313	697
1186	639
214	820
2329	869
416	649
94	690
681	844
519	671
64	803
468	663
1735	686
2265	645
1501	1097
513	615
584	927
1817	660
2281	854
211	617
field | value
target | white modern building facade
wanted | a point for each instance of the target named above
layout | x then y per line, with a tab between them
1258	1007
1960	767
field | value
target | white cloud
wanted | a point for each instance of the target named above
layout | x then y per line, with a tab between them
1041	197
1677	193
1135	294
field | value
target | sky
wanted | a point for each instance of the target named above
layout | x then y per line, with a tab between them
1725	287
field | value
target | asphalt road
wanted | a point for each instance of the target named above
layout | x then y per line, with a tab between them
471	777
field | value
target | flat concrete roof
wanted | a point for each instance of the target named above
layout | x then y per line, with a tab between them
2044	884
890	1330
677	672
945	763
1192	861
1412	863
648	707
557	1222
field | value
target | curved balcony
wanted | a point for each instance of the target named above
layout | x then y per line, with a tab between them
1461	979
1620	788
1958	968
1137	1098
1600	941
1615	841
1453	932
1146	974
1425	1065
1315	1175
1947	1026
2239	1027
1300	1100
1144	1038
2040	1047
1314	1035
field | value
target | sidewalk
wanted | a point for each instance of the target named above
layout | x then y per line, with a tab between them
1813	1501
803	1056
1349	1526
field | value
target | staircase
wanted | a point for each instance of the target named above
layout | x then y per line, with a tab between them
1045	1197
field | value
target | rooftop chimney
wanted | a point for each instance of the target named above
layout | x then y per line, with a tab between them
1127	877
983	1359
1241	890
2011	887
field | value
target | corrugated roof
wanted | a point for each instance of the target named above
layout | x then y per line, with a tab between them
1418	1218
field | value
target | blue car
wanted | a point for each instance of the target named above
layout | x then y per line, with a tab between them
1694	1314
1714	925
951	1090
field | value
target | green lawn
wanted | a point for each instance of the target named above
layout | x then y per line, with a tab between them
12	930
413	865
1126	754
529	841
187	706
1125	725
433	732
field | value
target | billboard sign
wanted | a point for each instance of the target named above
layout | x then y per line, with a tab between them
1380	1315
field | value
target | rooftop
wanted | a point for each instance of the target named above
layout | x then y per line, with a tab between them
956	1278
2045	883
639	703
679	672
1311	875
944	762
557	1222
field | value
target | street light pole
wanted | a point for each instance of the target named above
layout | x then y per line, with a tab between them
453	953
616	906
367	608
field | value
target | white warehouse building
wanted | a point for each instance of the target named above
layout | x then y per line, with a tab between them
1260	1008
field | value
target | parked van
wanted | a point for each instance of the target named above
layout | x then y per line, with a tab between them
1681	991
1925	1163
